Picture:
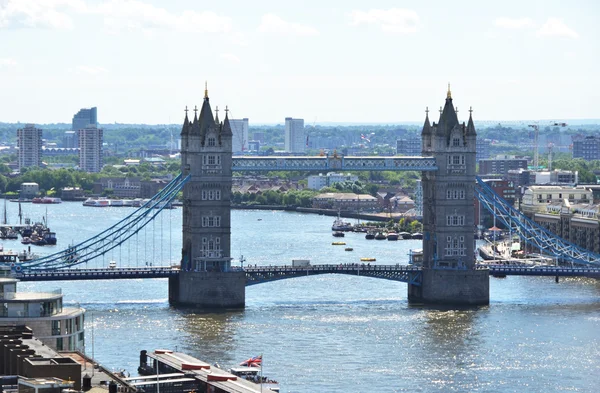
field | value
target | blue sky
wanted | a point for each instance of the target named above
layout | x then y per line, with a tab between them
142	61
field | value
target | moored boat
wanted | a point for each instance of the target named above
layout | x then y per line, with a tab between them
370	235
338	234
392	236
380	236
368	259
46	200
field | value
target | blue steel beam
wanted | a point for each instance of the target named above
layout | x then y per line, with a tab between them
531	232
332	163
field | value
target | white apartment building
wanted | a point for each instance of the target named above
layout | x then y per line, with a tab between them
317	182
536	198
29	142
239	128
90	149
59	327
295	135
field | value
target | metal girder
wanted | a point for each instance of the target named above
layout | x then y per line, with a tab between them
402	273
531	232
553	271
332	163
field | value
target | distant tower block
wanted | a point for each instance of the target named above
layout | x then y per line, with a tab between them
206	279
449	274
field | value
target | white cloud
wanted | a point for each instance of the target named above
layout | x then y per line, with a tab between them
394	20
555	27
117	14
514	23
48	14
7	62
271	23
89	70
134	15
230	57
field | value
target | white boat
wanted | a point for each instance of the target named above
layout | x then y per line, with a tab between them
341	225
97	202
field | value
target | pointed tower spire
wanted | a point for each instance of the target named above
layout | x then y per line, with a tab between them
195	129
427	126
206	89
448	118
470	125
217	115
226	126
186	123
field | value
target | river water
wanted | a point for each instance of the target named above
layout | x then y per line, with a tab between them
333	333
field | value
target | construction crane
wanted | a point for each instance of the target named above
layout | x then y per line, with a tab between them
536	153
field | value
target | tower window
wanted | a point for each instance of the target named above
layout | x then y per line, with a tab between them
456	142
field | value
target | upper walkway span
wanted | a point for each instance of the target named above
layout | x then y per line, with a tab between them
332	163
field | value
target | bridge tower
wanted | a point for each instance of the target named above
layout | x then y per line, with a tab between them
206	279
449	274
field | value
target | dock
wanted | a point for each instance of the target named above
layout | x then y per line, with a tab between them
172	368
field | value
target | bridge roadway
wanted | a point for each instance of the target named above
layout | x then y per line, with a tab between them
261	274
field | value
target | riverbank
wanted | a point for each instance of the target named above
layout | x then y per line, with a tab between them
383	217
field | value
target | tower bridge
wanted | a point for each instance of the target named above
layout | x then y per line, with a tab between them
206	278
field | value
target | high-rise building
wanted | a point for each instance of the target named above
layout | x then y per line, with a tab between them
239	127
295	136
90	148
82	119
29	142
408	146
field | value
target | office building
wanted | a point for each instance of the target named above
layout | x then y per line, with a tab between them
587	147
295	136
69	139
408	147
483	149
501	165
239	127
29	142
82	119
90	149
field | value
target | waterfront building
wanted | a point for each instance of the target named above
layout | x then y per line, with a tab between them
408	147
295	135
586	147
345	201
535	198
501	165
90	149
29	142
122	187
239	127
316	182
29	190
57	326
576	223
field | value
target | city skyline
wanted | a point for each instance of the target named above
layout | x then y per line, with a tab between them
144	61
